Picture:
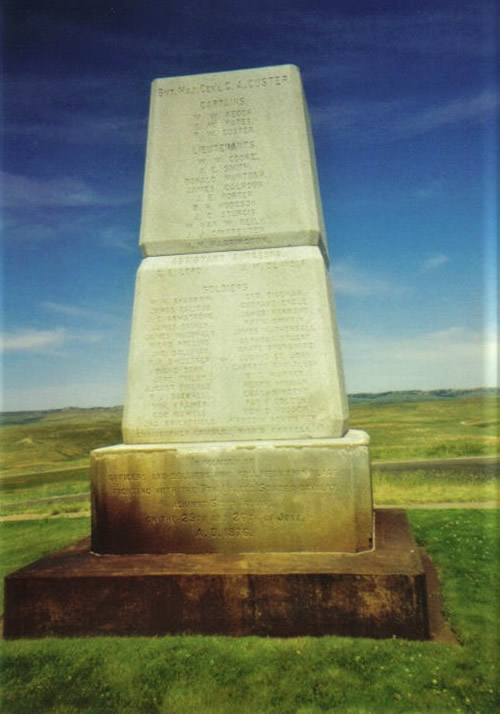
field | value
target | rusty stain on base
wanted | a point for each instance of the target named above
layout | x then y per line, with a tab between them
73	592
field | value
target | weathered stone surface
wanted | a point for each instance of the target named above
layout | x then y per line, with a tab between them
233	497
230	164
238	345
379	593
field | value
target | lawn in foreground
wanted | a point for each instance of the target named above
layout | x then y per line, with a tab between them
434	485
307	675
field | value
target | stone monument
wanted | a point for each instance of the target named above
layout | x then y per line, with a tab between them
240	501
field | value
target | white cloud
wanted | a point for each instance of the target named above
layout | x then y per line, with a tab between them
452	358
436	260
36	341
353	281
32	340
25	192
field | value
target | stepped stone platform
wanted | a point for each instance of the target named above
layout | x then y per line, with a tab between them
378	593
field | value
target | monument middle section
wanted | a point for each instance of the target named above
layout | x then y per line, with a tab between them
237	345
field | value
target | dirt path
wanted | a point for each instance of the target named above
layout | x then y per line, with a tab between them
42	516
467	505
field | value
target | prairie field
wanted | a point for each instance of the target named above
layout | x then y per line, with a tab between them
45	476
424	427
430	428
44	456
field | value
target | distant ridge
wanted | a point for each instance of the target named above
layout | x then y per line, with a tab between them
65	413
94	413
418	395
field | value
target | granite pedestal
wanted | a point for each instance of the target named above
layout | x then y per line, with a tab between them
377	593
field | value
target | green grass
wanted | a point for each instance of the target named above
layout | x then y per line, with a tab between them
19	493
437	428
434	486
21	542
46	509
417	486
218	675
38	485
466	547
425	428
57	441
46	454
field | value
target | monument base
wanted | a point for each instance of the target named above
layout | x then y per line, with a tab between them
287	496
73	592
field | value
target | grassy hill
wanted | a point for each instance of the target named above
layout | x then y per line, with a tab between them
402	425
413	425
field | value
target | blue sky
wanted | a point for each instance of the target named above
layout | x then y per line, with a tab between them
403	101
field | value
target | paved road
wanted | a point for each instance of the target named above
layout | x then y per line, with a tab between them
474	463
440	506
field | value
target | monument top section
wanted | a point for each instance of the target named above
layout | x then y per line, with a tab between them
230	164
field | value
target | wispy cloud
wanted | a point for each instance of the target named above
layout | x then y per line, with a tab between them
452	357
364	120
31	340
394	119
121	238
95	392
456	31
77	110
430	190
83	129
468	109
38	341
436	260
69	310
24	192
353	281
79	314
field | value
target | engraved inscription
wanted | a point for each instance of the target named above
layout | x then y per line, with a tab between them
227	171
249	370
212	512
220	86
229	164
232	499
